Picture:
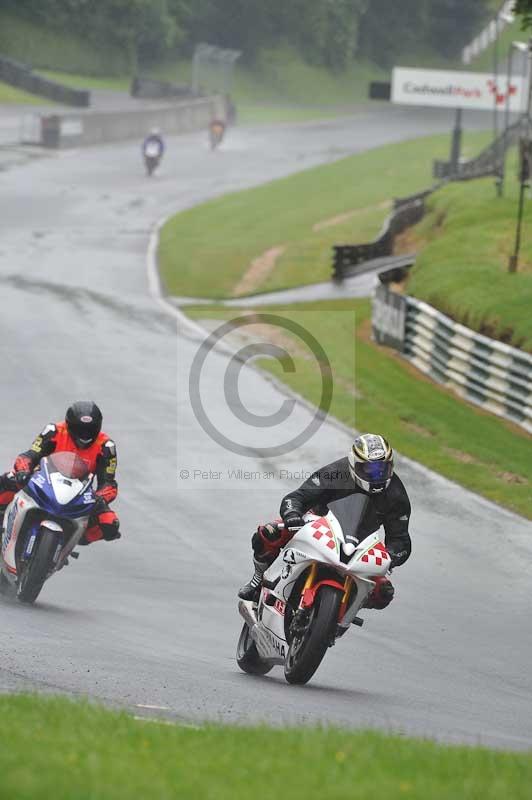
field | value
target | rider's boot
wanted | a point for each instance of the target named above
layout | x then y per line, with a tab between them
251	590
382	594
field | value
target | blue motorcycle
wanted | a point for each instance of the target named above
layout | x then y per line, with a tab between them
44	522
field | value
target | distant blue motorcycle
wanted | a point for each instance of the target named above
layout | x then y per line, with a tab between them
44	522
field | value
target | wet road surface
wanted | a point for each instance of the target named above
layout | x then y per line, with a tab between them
152	619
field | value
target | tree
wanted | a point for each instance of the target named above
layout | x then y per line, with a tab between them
524	8
453	23
392	32
144	28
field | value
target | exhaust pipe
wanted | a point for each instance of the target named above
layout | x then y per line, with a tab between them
247	612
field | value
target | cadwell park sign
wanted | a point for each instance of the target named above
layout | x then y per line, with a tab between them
453	89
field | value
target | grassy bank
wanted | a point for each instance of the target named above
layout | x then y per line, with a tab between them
306	214
38	46
8	94
346	201
60	749
120	84
510	33
464	243
424	421
280	79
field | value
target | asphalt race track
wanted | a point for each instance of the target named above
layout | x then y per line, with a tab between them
151	620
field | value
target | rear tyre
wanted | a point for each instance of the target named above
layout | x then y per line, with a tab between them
307	649
35	574
247	656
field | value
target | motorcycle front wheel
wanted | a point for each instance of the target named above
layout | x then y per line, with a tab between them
247	656
36	572
307	649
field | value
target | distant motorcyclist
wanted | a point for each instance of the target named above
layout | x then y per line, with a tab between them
153	149
216	132
155	139
368	469
80	433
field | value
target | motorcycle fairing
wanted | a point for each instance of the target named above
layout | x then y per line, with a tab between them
47	493
320	540
16	514
59	495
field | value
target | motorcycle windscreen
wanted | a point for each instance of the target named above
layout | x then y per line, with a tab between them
350	511
70	465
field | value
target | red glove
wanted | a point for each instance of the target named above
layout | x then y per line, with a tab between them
22	469
107	493
22	464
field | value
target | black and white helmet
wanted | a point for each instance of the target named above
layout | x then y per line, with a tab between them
371	462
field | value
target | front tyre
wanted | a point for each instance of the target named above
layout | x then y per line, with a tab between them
307	648
36	572
247	656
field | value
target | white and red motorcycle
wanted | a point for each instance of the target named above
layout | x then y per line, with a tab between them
311	594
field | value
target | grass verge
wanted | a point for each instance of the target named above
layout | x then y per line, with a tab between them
10	95
464	243
87	82
57	748
384	392
351	195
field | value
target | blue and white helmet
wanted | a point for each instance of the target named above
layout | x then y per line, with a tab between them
371	462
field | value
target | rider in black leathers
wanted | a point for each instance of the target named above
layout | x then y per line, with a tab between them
368	469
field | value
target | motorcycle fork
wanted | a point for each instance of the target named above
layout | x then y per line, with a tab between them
348	587
309	583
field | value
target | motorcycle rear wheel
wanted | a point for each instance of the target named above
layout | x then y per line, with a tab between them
36	572
306	652
247	656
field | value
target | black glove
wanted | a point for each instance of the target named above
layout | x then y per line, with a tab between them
110	536
398	557
22	477
293	520
99	505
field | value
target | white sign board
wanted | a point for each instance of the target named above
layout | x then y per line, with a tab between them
71	127
452	89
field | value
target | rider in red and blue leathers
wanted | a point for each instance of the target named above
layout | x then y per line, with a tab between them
79	433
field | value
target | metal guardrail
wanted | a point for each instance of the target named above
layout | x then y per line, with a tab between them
22	77
151	88
484	371
488	162
350	259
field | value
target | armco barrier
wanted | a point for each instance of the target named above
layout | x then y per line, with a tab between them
491	374
347	258
23	77
75	130
488	162
151	88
